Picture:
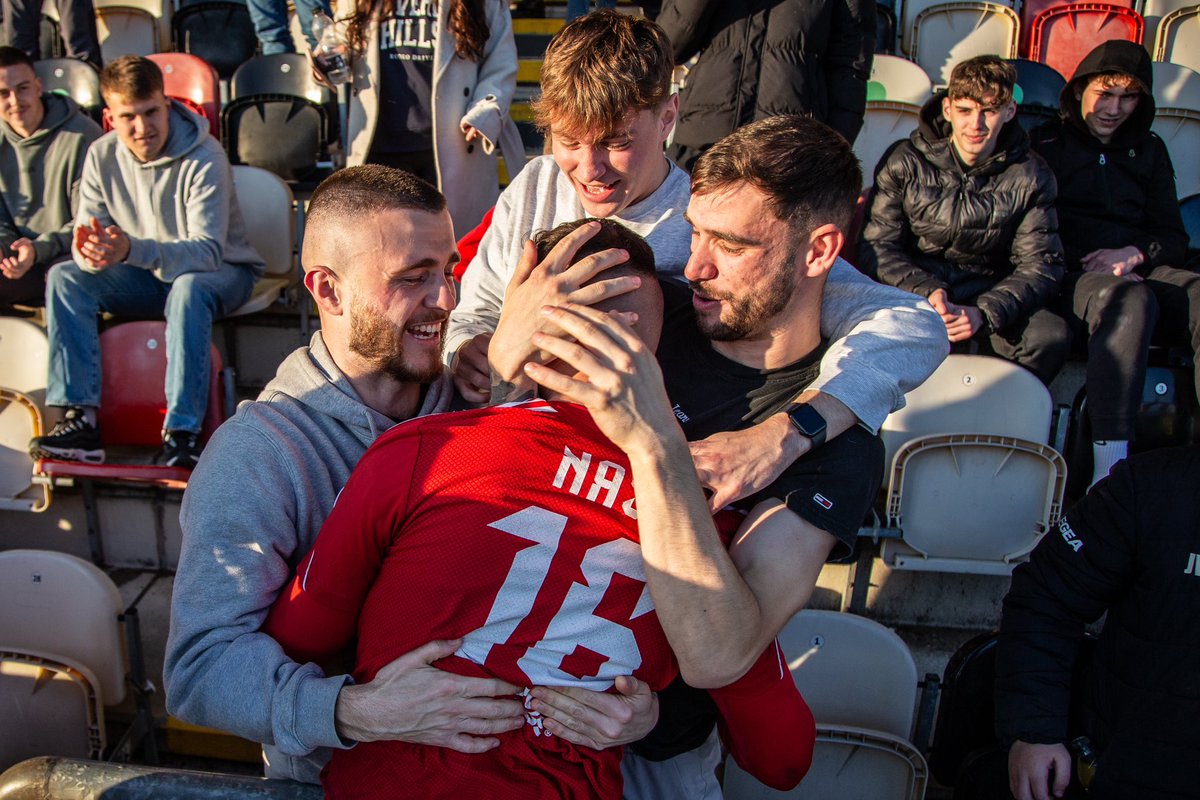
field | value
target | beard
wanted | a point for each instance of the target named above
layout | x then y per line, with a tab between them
750	313
378	340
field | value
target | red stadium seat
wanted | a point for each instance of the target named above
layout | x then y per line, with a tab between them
190	78
1063	35
1031	9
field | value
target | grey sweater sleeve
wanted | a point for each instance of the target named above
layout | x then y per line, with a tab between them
239	520
883	342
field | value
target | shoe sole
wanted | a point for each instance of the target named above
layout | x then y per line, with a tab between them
68	454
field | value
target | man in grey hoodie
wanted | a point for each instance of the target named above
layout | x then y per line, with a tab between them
158	231
43	138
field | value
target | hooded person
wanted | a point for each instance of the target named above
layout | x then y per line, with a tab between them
963	215
1122	235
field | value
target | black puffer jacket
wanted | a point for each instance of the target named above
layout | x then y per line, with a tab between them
762	58
987	235
1117	194
1130	548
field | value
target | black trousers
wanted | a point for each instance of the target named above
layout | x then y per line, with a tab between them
77	18
1040	343
1120	317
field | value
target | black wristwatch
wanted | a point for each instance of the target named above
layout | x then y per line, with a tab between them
808	422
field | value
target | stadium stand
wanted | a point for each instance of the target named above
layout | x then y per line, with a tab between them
24	354
1177	39
76	79
1063	35
187	77
884	124
898	80
218	31
860	681
945	34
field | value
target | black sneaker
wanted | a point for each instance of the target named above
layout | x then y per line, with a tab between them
180	449
72	439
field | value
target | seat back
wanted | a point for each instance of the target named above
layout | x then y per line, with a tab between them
76	79
282	73
884	124
1190	209
885	29
1176	86
1030	9
59	606
20	421
945	34
126	31
1038	86
267	207
218	31
1178	39
966	710
898	80
280	133
133	405
24	357
1180	131
910	10
1063	35
1153	12
188	78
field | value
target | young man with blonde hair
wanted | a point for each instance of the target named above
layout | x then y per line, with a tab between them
963	214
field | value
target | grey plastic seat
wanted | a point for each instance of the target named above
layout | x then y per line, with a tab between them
945	34
1180	130
898	80
884	124
1176	86
1178	38
910	10
1153	12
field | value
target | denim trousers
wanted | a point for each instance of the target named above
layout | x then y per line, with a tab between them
577	8
190	303
270	18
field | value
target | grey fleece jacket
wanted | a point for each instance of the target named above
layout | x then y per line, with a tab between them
180	210
39	178
253	508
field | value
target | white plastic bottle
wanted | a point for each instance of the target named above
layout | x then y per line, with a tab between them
330	53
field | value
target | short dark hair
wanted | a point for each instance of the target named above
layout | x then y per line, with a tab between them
807	170
359	192
612	235
982	79
11	56
131	77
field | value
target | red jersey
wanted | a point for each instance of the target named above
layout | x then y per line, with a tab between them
515	529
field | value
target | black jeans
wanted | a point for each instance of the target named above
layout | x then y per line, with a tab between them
77	19
1120	316
1040	343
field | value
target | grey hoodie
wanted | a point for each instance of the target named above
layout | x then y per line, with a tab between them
39	178
253	508
180	210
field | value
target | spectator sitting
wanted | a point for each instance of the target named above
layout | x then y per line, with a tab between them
44	140
158	231
1122	234
963	214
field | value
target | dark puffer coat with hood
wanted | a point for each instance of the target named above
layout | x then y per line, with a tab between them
988	234
1117	194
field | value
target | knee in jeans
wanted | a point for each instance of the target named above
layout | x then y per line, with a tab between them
62	275
188	294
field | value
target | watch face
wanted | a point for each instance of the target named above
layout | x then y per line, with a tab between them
807	420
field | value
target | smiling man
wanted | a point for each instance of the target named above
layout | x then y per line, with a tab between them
44	138
157	233
1122	234
963	214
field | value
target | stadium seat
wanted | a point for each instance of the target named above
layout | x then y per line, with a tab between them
1036	92
76	79
218	31
860	681
1063	35
1178	38
62	655
1190	209
1176	86
281	133
910	10
285	74
972	485
1180	130
1153	12
24	355
269	210
1031	8
131	27
133	361
945	34
884	124
885	29
898	80
187	77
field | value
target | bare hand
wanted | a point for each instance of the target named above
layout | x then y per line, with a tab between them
15	266
101	246
471	373
411	701
598	719
737	464
620	381
962	321
1118	262
554	281
1038	771
470	132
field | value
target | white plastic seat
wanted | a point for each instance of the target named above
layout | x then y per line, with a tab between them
860	681
24	357
1153	12
898	80
1178	38
910	10
268	208
1176	86
884	124
133	26
58	622
945	34
1180	130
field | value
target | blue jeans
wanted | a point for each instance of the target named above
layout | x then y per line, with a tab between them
190	304
577	8
270	20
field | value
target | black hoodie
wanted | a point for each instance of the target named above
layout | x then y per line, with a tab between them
1117	194
987	235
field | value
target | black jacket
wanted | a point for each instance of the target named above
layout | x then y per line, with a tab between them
762	58
1117	194
1131	548
988	235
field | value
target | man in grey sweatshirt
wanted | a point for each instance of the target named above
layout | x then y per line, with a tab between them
43	138
158	231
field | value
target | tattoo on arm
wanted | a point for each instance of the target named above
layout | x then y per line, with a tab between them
508	392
